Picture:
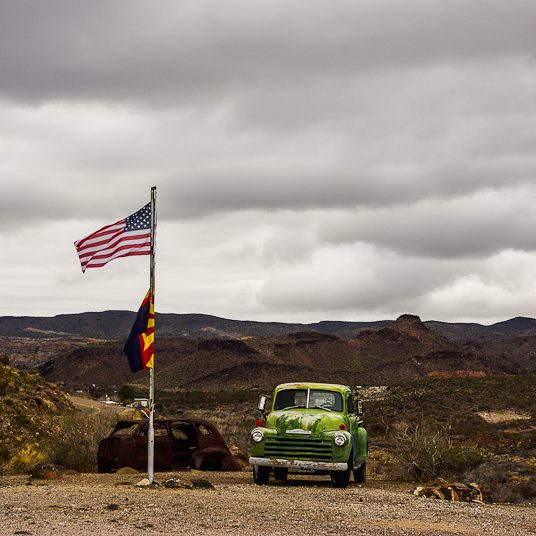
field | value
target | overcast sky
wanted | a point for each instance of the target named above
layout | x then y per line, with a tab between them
341	160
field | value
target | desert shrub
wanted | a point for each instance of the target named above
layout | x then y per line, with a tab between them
425	450
75	445
381	463
126	393
506	481
4	452
26	458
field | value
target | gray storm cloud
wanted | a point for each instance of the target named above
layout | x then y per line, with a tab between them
360	278
342	159
475	226
183	52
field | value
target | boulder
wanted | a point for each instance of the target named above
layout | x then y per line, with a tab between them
451	492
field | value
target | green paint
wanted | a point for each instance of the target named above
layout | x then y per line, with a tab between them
308	433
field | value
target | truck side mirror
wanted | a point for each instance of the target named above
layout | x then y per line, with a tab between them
262	402
358	402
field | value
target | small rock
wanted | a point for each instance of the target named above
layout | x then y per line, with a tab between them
45	472
126	471
112	506
202	483
144	526
146	483
176	483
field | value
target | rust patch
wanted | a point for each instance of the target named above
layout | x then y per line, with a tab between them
178	444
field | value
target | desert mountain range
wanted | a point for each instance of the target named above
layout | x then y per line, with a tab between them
117	324
202	352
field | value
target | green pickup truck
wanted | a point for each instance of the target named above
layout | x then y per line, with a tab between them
312	428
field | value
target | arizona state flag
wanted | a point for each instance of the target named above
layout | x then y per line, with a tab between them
140	343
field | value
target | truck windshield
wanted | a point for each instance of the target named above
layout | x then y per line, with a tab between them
308	398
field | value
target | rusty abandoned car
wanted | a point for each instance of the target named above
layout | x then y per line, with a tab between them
178	444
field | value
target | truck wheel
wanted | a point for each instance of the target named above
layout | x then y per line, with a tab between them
261	474
281	473
360	474
340	479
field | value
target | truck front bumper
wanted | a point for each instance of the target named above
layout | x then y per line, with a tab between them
302	465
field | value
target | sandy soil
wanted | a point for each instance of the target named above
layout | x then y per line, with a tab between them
89	504
495	417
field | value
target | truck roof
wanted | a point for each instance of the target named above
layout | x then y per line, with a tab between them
313	385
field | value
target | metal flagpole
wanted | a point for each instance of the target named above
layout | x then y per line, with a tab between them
150	435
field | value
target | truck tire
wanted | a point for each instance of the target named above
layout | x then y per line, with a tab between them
281	473
360	474
261	474
340	479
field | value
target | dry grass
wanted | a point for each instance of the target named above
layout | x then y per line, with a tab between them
76	443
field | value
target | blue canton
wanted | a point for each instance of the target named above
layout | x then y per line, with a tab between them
139	220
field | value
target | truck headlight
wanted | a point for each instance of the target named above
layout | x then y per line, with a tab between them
257	435
340	440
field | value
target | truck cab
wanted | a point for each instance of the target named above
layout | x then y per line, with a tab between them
310	428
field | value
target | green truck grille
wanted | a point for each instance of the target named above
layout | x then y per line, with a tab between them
298	448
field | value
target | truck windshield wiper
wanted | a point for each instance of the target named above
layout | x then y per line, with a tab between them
321	407
292	407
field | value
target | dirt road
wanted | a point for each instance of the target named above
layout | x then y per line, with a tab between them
88	504
93	406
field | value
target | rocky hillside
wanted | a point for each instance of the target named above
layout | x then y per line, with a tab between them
28	405
117	324
472	332
403	351
30	353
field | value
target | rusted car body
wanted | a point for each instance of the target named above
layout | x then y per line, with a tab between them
178	444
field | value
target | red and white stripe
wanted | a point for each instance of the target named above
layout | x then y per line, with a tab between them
112	242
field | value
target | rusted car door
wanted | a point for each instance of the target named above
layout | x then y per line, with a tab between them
163	446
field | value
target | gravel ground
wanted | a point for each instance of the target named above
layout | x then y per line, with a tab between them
89	504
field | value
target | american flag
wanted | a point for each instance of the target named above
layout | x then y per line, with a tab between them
131	236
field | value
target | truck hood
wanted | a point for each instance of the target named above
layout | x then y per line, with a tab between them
315	421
